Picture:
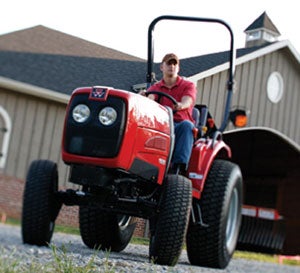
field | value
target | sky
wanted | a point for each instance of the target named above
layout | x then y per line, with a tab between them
123	24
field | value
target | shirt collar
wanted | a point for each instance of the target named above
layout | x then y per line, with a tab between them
178	80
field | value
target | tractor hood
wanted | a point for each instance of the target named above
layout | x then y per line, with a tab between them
116	129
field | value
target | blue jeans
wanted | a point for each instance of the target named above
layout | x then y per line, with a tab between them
184	140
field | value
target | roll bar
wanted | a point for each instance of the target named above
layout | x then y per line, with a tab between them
231	56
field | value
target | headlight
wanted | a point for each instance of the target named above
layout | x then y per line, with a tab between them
81	113
108	116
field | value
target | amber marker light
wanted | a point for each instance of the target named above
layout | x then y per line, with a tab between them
239	117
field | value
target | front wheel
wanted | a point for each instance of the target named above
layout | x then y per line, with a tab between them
170	225
103	230
40	207
220	204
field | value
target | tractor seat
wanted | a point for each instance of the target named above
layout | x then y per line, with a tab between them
200	115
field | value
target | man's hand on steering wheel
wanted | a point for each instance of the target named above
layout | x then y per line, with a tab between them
185	102
178	106
162	94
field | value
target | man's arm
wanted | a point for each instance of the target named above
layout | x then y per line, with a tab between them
185	103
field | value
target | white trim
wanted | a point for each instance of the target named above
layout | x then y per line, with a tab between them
6	138
253	35
269	49
275	87
246	58
33	90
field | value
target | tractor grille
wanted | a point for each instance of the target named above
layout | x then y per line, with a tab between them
91	138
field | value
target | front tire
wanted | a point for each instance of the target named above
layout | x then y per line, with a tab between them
40	207
105	231
220	204
170	228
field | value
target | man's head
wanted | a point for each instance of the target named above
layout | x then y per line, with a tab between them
170	58
170	66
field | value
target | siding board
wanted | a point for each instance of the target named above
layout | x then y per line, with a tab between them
296	113
295	121
242	84
293	108
237	85
200	88
248	89
282	104
221	96
56	145
48	133
17	130
3	98
57	135
213	102
288	105
256	93
206	91
270	66
25	138
37	133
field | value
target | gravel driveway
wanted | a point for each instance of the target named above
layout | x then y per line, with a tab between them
133	259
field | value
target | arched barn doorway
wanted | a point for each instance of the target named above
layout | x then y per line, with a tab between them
270	164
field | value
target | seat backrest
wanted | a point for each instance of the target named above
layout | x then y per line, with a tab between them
196	116
200	115
203	115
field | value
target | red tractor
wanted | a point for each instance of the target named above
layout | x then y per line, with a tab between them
118	146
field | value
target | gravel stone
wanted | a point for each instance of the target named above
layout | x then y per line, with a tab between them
133	259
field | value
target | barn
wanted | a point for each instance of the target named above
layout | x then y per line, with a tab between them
40	67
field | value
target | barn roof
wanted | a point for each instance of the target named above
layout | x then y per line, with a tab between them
43	40
65	73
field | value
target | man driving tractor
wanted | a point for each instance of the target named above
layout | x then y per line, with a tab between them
184	92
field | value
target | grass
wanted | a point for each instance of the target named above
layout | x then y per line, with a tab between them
144	241
61	263
256	256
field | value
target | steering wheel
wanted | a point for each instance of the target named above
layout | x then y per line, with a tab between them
162	94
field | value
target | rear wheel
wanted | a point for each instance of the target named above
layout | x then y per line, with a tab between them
170	226
101	230
40	207
220	204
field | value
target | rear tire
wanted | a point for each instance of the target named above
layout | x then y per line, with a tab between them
40	207
220	204
105	231
171	225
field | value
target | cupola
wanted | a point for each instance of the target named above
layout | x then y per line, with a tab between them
261	31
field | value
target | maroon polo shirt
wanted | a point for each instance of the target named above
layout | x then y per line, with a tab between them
177	91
